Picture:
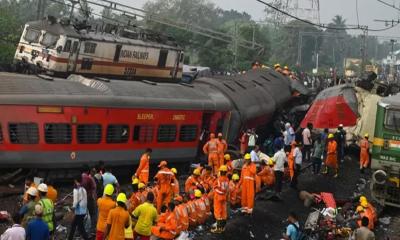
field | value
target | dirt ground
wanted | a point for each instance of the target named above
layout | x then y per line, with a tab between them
268	219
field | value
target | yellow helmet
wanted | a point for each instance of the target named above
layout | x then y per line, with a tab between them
286	67
223	168
247	156
196	172
366	135
359	209
277	65
364	204
331	135
197	193
122	198
108	190
174	171
270	162
227	157
135	180
141	185
235	177
363	199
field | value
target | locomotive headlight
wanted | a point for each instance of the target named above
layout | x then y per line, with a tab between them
379	177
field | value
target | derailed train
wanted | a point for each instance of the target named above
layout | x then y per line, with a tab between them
63	123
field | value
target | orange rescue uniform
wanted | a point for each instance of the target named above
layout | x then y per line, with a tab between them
142	171
331	158
221	190
267	176
164	178
105	204
247	180
191	183
244	140
182	217
364	153
134	201
222	146
369	214
175	187
52	193
118	218
166	227
234	193
291	161
211	149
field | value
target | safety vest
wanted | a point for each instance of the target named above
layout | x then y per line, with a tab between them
212	146
48	212
222	186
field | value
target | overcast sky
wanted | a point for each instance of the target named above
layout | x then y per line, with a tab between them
368	11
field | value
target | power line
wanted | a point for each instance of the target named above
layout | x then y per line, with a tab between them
358	19
388	4
358	27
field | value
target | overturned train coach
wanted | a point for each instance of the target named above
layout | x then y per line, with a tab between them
60	50
62	123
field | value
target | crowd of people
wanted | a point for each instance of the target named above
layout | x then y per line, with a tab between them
161	208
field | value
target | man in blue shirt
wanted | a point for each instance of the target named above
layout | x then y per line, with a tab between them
37	229
292	230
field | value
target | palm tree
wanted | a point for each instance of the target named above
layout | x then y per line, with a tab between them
338	22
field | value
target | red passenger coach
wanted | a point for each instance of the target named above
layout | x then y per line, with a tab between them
65	123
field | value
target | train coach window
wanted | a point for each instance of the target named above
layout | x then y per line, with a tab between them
67	46
143	133
89	133
166	133
90	47
87	63
188	133
23	133
57	133
117	133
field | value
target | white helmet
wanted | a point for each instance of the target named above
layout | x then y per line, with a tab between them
287	125
32	191
42	187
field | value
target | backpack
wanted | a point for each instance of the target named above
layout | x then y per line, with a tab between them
300	233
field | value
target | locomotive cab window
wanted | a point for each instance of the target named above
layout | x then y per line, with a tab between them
89	133
67	46
143	133
188	133
166	133
117	133
392	119
32	35
57	133
49	40
23	133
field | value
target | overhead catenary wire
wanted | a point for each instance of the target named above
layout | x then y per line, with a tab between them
358	27
358	18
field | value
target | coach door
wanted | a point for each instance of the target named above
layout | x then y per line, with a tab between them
73	56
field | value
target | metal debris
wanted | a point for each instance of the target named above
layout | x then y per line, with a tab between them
385	220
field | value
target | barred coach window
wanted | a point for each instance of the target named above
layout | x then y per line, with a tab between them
143	133
188	133
23	133
166	133
89	133
57	133
117	133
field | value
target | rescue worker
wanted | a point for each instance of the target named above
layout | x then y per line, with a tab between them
229	164
278	68
207	178
182	215
104	204
222	147
340	138
117	220
134	200
175	184
244	140
267	173
164	178
48	207
192	211
51	191
142	172
193	182
364	153
211	149
291	160
364	212
331	158
286	71
27	211
221	191
166	228
235	191
143	192
28	183
247	179
364	203
200	207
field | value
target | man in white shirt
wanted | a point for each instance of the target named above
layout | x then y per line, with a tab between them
289	134
298	160
16	232
307	142
254	154
279	158
252	139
